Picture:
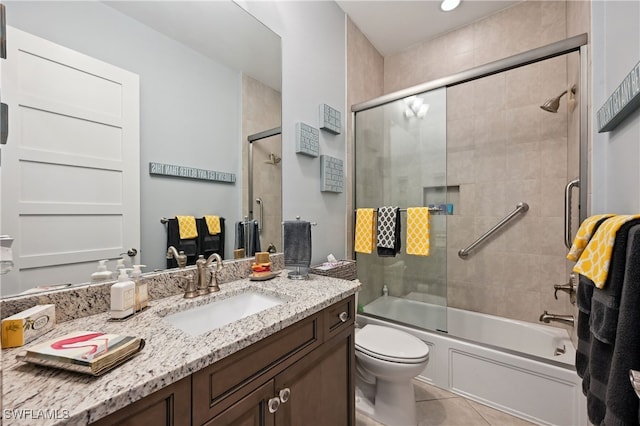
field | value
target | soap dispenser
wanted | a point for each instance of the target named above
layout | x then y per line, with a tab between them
120	265
142	293
101	274
122	296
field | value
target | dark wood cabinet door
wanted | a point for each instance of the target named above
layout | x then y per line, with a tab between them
170	406
252	410
320	387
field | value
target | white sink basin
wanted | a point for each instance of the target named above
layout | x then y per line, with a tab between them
201	319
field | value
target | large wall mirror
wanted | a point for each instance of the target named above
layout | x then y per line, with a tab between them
209	77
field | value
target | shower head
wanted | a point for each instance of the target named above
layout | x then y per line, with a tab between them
552	104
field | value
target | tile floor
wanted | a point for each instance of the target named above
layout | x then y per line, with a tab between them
439	407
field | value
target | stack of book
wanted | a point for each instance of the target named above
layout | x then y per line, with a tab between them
86	352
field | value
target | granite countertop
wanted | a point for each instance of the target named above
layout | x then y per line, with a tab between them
39	393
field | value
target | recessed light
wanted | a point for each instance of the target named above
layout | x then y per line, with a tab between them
449	5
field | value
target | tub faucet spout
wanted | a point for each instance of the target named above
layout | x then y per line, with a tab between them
547	318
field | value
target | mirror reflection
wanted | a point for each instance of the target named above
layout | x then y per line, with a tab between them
206	76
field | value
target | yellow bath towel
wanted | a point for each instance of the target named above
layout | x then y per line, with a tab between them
584	235
213	224
595	260
365	231
418	231
187	227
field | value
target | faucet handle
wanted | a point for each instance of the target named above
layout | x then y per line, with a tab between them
190	290
569	287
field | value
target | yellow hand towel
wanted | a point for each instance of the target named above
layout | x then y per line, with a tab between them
213	224
584	235
187	227
418	231
365	231
595	260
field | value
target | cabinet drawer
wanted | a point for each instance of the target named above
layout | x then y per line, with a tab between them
217	387
338	316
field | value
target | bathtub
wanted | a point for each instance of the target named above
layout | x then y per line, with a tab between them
521	368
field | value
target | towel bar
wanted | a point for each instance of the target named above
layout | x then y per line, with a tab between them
298	218
431	209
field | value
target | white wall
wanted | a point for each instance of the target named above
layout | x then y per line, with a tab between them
189	111
616	155
313	72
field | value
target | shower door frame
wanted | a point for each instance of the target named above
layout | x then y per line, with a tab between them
570	45
573	44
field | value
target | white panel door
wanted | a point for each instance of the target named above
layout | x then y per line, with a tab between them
70	168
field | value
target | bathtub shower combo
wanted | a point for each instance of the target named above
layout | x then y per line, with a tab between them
471	146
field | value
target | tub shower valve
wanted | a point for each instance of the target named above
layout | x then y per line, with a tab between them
569	288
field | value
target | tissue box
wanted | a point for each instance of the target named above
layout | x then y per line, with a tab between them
26	326
343	269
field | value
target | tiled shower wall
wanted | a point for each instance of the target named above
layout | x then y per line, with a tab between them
261	110
503	149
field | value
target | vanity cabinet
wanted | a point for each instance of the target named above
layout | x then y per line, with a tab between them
303	375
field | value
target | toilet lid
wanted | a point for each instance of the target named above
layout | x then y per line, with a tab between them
390	344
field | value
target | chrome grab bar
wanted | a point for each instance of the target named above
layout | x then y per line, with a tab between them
568	240
259	202
521	207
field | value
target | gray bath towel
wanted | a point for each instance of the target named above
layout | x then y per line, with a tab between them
622	402
612	345
297	243
248	237
583	330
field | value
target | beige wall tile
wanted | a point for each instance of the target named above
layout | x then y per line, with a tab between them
523	161
261	110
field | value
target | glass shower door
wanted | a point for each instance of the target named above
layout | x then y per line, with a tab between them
400	160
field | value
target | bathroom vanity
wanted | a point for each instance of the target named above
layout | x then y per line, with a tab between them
290	364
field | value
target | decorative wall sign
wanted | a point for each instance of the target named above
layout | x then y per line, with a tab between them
330	119
331	174
307	140
190	173
622	102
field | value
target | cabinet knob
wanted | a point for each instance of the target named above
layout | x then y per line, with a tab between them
343	316
273	404
285	394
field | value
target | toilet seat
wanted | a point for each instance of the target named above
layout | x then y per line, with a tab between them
389	344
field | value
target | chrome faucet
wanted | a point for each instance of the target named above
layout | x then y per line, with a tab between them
547	318
181	258
205	286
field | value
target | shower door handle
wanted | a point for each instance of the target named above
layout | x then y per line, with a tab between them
4	123
259	202
3	32
568	240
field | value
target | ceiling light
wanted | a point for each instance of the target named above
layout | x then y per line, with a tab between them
449	5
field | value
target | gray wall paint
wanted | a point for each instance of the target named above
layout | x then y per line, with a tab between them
189	110
313	72
616	155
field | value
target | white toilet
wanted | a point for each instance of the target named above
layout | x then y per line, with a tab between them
386	361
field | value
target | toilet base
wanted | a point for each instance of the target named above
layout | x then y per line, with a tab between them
394	403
